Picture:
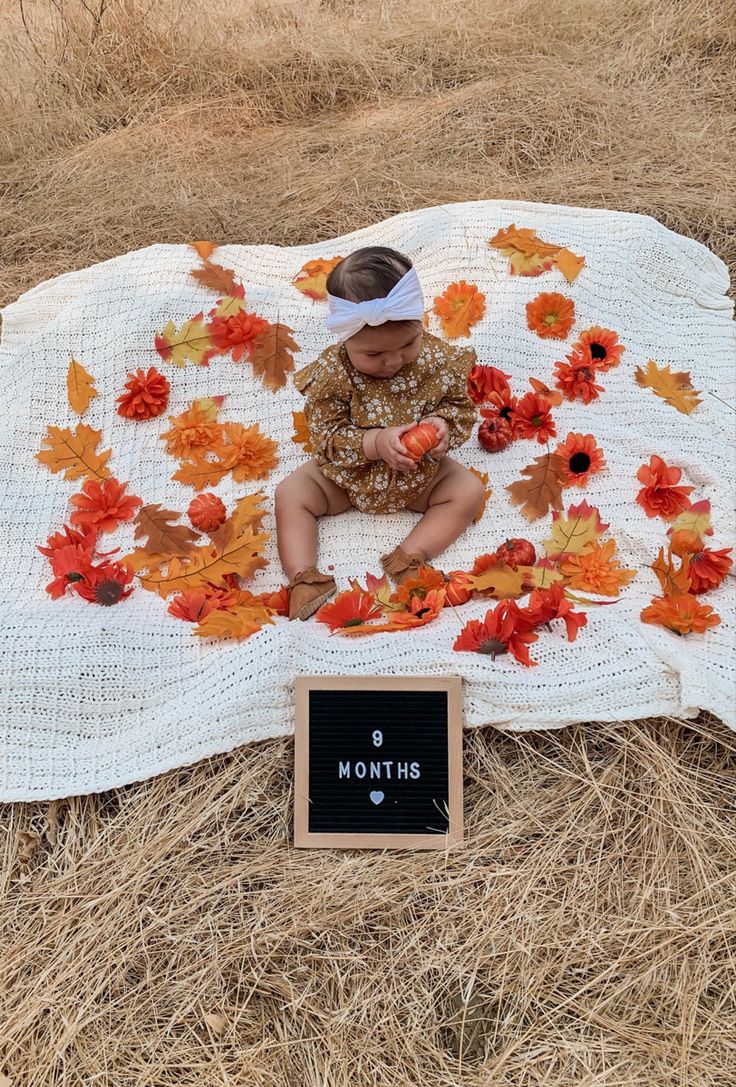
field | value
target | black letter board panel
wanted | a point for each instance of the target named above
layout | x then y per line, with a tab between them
378	761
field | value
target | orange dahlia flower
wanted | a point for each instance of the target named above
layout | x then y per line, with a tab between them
550	315
192	606
600	346
147	396
192	432
427	578
582	458
708	568
659	496
504	629
235	333
597	571
576	379
484	562
70	565
106	584
278	601
104	504
682	613
484	380
86	537
351	608
247	452
532	418
548	604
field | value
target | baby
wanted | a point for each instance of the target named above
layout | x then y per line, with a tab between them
384	376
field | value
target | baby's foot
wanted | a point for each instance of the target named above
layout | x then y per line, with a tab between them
308	591
399	565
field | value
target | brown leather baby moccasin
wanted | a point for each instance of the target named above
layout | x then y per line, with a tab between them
400	566
308	590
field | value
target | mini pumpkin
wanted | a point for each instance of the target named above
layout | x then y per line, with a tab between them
207	512
685	542
420	440
517	552
495	433
459	589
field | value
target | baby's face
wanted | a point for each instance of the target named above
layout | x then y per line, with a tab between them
381	351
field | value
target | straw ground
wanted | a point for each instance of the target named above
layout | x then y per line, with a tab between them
166	933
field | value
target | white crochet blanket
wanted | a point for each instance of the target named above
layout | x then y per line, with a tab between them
94	697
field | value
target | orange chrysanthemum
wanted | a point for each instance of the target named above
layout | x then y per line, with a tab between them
278	601
550	315
682	614
147	396
104	504
582	458
660	497
350	608
484	562
192	432
504	629
235	333
484	380
106	584
548	604
246	452
708	568
70	565
532	418
600	347
576	379
86	537
193	606
597	571
427	578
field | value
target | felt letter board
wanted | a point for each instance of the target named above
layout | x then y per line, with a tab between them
378	761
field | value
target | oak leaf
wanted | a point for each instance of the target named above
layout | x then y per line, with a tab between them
544	573
301	431
574	532
203	249
542	489
528	255
502	582
217	278
75	453
673	580
238	622
311	279
461	306
201	473
189	343
675	389
80	386
271	355
230	552
163	537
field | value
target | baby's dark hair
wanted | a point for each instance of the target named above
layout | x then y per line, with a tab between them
367	273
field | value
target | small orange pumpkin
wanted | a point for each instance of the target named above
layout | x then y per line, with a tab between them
207	511
459	589
420	440
495	433
517	552
685	542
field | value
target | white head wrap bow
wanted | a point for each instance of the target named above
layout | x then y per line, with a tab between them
404	302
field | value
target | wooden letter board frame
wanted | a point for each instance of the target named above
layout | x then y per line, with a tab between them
303	837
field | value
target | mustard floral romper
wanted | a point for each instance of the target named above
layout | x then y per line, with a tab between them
342	403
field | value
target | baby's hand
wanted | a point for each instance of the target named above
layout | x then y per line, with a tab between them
390	449
443	430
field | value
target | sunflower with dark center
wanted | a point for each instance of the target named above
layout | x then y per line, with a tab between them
582	458
600	346
106	584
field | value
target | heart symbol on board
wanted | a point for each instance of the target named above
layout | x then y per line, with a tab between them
376	797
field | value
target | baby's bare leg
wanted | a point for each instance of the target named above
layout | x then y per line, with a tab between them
449	505
301	498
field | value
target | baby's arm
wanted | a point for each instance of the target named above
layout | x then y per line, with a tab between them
336	440
455	410
384	443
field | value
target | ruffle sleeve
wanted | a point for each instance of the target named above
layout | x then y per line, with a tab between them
456	406
335	438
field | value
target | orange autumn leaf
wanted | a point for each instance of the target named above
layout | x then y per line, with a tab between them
238	622
164	539
487	492
569	264
683	614
203	249
597	571
528	255
673	579
75	453
675	389
271	355
190	343
542	489
311	279
544	574
217	278
80	387
231	552
461	306
301	431
201	473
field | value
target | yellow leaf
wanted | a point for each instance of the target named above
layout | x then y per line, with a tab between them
675	389
80	387
696	519
210	405
189	343
311	279
461	306
502	582
674	581
228	306
543	574
238	622
574	532
75	454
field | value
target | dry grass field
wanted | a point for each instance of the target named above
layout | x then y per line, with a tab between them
166	933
